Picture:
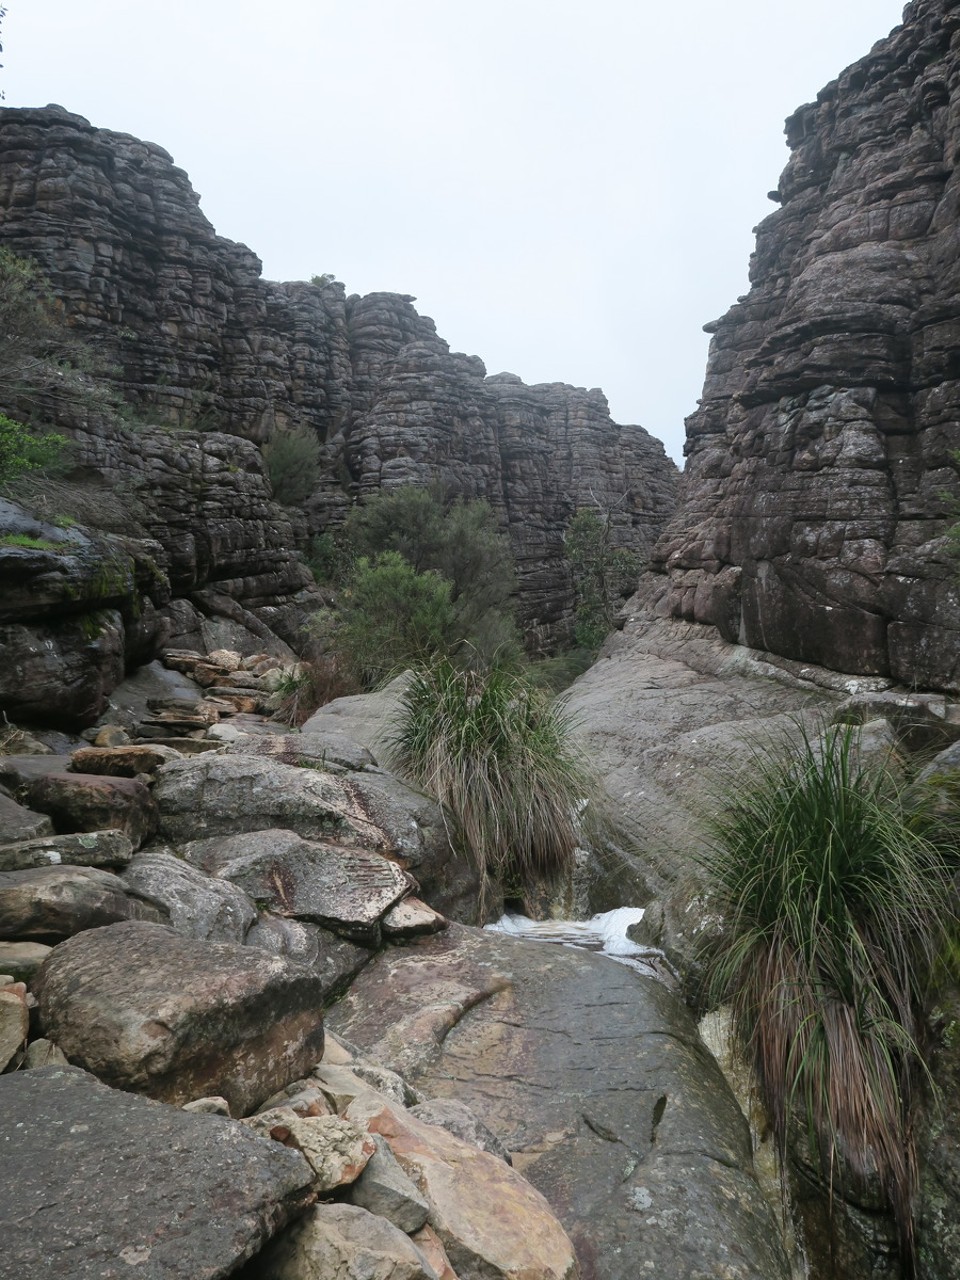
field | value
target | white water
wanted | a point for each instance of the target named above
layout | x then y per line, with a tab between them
606	932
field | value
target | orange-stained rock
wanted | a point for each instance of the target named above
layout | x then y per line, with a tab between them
121	761
428	1242
490	1220
14	1020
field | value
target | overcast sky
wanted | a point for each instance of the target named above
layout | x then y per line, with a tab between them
567	186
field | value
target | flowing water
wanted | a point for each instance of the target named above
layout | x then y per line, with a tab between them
607	932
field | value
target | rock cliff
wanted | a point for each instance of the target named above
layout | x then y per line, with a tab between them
199	341
820	463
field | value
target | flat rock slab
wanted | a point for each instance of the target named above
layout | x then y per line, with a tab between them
104	849
121	762
594	1077
177	1019
102	1185
223	795
347	890
56	902
88	802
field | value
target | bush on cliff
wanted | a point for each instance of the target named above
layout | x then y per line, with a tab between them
835	906
292	459
499	755
417	578
603	574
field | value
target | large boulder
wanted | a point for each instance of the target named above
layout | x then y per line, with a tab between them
58	901
595	1080
198	906
347	1242
346	890
97	1183
177	1019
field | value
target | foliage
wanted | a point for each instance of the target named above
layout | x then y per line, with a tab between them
835	905
500	756
426	578
391	617
23	450
293	464
327	558
559	672
308	686
602	575
31	544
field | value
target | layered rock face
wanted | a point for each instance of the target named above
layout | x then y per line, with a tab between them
199	340
814	504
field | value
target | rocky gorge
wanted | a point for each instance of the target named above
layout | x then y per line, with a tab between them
248	1024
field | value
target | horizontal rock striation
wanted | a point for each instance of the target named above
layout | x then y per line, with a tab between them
820	470
199	341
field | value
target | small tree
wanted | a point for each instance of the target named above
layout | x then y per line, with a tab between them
293	465
23	450
392	617
602	575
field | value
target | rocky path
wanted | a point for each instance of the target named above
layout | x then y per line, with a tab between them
595	1079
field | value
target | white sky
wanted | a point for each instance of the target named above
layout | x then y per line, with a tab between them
567	187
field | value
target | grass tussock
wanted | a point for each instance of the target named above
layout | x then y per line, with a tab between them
836	905
500	756
309	686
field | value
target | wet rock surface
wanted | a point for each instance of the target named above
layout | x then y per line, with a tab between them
92	1179
820	475
596	1081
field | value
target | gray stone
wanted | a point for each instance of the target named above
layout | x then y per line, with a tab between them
19	823
147	1010
345	889
595	1079
212	1106
43	1053
57	902
337	1150
457	1118
347	1242
198	906
335	960
104	849
384	1189
22	959
91	1180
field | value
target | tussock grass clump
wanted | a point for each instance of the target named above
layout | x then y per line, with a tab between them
500	756
835	907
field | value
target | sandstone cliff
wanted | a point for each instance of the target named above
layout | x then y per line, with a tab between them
816	492
200	341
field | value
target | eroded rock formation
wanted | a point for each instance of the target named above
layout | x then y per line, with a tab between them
199	340
814	502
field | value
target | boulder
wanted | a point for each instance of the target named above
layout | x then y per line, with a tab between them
491	1222
99	1183
57	902
411	918
457	1118
22	959
86	802
20	823
336	1149
14	1021
384	1189
198	906
428	1242
347	1242
226	794
104	849
43	1053
177	1019
347	890
342	1083
335	960
121	761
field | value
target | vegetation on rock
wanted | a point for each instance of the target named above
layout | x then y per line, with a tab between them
603	574
293	465
500	756
836	902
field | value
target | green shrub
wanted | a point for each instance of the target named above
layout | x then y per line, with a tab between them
293	465
392	617
500	756
308	686
23	450
603	575
835	905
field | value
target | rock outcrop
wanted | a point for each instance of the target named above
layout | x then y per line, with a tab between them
820	475
201	343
